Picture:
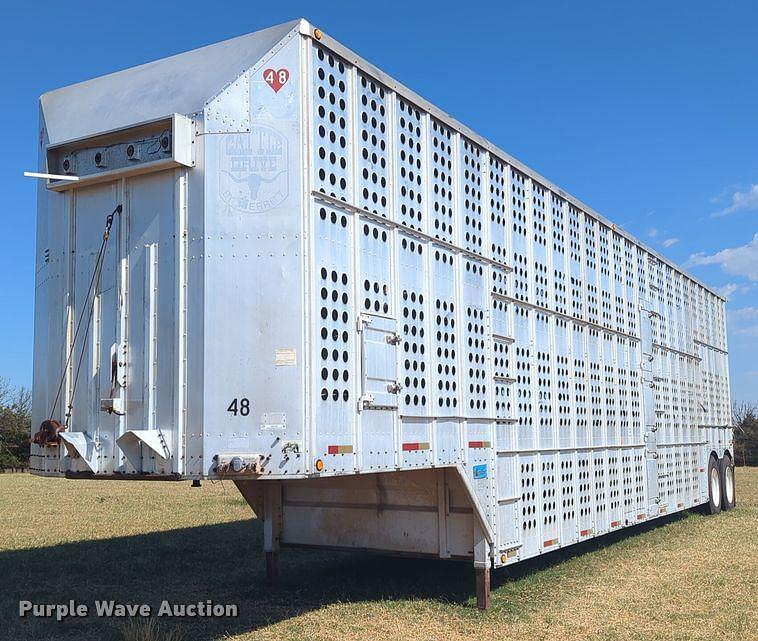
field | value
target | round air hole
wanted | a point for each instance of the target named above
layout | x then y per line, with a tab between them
98	158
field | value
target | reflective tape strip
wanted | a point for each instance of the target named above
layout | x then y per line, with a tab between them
479	444
585	532
640	517
412	447
550	542
615	523
339	449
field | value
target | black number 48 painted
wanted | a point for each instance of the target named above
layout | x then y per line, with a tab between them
239	406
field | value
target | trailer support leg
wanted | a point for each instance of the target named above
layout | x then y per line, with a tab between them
481	568
272	566
272	527
483	601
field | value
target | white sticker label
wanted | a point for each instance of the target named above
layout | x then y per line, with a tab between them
285	357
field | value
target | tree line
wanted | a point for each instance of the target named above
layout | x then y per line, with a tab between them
16	427
745	417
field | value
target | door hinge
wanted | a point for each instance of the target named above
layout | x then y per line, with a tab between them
365	401
362	321
112	406
118	365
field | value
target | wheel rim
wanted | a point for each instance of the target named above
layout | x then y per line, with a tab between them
715	486
729	485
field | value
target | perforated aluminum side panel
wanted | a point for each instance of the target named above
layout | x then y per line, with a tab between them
568	480
518	321
530	497
414	318
332	126
499	218
477	348
373	132
445	343
335	371
410	126
471	209
442	190
524	374
551	525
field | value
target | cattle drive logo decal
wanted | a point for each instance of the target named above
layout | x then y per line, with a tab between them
253	174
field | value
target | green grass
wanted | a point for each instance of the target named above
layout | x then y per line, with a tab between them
684	577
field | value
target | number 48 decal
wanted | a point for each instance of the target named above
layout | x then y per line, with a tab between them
276	78
239	406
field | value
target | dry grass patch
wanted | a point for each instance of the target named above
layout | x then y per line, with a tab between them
687	577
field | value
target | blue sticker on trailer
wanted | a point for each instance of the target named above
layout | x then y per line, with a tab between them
480	471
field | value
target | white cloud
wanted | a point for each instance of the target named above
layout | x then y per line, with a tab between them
653	232
727	290
737	261
670	242
743	314
743	321
741	201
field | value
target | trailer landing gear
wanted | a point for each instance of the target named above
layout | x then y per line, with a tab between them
482	564
483	600
272	527
272	567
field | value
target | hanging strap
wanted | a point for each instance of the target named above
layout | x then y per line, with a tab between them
86	307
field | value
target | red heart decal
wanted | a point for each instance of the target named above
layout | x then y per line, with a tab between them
276	78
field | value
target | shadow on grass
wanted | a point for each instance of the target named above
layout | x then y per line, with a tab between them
225	563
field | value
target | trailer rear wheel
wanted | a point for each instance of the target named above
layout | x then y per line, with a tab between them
728	500
713	506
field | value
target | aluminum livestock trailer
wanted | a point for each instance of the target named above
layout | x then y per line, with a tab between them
267	261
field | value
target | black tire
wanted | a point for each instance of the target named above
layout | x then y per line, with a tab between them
728	494
713	481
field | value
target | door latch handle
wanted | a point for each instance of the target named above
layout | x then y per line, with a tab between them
393	339
394	388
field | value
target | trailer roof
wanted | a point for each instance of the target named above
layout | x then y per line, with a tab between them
183	84
177	84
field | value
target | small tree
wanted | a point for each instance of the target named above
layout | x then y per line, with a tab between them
745	433
15	426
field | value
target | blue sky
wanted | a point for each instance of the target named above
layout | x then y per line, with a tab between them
645	110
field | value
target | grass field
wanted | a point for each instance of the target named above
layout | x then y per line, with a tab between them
685	577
